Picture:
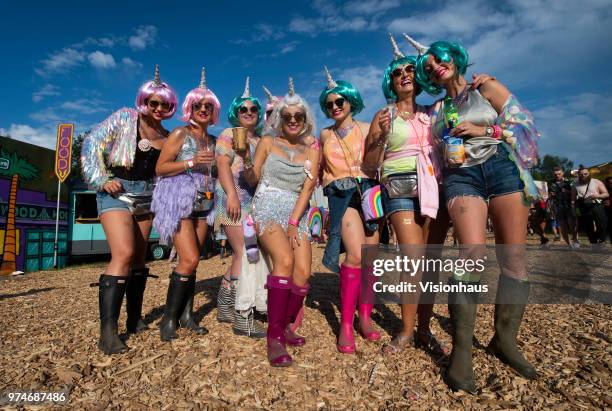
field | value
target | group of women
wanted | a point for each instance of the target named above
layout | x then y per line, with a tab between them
270	179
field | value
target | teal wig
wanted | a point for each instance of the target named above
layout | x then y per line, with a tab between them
387	83
232	114
346	90
445	51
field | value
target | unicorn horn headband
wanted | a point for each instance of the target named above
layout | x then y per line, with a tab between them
203	79
291	87
397	54
156	80
268	94
247	90
331	84
421	49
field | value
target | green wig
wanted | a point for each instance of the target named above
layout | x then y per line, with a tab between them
232	114
387	83
346	90
445	51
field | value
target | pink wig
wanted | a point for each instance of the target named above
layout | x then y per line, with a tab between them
163	90
197	94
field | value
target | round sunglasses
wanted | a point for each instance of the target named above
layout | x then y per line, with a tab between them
339	102
398	72
299	117
207	107
156	104
252	110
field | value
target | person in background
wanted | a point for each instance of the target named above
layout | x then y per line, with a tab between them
560	191
588	195
608	205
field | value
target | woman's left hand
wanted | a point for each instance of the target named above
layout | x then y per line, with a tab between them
479	79
294	235
467	129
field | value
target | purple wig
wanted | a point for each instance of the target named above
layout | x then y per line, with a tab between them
197	94
163	90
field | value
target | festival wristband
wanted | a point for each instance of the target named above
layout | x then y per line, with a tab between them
189	163
497	132
294	222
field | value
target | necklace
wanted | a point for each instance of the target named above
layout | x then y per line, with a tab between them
461	97
402	114
344	131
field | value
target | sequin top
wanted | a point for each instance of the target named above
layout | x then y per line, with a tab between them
281	182
479	111
111	143
243	189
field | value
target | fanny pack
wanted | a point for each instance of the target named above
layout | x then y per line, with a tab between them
204	201
138	203
403	185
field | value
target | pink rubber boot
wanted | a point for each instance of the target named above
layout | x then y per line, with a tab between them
279	290
349	294
294	306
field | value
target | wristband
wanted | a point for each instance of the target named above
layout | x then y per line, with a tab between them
294	222
497	132
189	164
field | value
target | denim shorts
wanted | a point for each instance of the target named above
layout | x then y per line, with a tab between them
393	205
495	177
107	202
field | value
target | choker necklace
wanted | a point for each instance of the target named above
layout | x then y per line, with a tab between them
461	97
344	131
403	114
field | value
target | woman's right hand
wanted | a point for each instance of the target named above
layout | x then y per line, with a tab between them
233	207
204	157
112	187
384	122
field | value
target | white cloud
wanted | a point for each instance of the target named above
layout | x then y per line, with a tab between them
576	127
85	106
47	115
101	60
47	90
262	32
370	7
129	63
42	136
145	36
353	16
60	61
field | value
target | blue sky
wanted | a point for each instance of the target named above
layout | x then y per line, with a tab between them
80	63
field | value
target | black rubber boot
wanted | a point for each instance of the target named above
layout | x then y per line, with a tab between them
462	308
175	301
510	304
187	321
134	295
110	297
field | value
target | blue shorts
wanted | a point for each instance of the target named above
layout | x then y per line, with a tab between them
107	202
393	205
495	177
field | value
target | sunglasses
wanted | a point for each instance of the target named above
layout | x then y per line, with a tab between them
244	110
398	72
298	117
155	104
207	107
339	102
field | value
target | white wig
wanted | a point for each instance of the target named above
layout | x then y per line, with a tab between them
275	127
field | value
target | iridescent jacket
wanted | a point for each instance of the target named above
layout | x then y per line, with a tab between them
111	143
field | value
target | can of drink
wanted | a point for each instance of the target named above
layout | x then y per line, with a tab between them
455	152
